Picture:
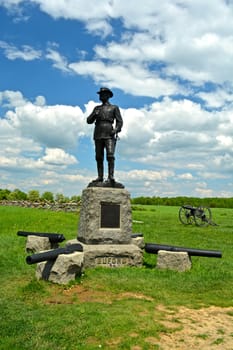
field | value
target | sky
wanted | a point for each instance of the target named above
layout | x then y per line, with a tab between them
169	64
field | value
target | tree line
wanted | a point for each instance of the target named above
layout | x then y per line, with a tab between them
35	196
212	202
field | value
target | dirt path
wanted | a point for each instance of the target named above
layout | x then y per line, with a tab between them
208	328
203	329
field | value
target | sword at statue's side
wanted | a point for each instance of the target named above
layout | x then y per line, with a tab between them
116	138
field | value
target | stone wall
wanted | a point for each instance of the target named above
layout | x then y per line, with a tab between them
55	206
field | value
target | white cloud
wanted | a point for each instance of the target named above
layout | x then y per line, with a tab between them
169	132
96	15
133	78
73	9
218	98
25	52
58	60
133	47
9	3
30	135
147	175
52	126
204	192
223	163
225	141
11	99
186	176
186	38
195	166
99	27
57	156
40	101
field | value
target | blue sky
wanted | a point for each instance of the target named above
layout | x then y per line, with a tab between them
169	65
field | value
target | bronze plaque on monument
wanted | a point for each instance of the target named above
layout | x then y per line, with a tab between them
110	215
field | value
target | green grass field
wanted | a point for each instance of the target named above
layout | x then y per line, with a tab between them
108	308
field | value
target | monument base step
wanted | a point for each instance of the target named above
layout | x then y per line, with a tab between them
110	255
68	266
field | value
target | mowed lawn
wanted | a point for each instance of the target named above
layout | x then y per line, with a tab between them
117	308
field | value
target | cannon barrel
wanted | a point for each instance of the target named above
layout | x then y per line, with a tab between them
153	248
135	235
53	254
53	237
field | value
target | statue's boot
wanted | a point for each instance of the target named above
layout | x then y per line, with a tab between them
100	170
111	164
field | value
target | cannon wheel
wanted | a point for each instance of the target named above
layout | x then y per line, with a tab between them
202	216
185	216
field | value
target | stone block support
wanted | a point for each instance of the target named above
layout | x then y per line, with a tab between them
178	261
37	244
63	270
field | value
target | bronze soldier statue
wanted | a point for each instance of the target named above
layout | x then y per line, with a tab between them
108	123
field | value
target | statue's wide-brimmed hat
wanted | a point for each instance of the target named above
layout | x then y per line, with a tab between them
104	90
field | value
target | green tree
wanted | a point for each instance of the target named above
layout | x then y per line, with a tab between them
17	195
75	198
60	198
34	196
4	193
48	196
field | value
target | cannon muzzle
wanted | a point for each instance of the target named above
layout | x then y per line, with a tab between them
153	248
135	235
53	237
53	254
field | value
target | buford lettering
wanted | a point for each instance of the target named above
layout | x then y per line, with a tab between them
111	261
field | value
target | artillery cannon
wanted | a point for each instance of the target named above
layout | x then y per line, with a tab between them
53	254
201	216
53	237
153	248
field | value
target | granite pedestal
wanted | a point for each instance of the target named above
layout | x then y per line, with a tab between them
105	229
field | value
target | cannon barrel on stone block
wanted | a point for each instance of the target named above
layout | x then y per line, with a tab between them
53	254
153	248
53	237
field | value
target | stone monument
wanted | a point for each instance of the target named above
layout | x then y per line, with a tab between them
105	225
105	229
